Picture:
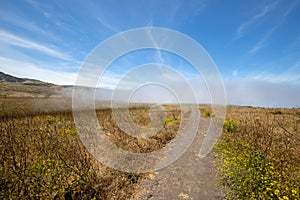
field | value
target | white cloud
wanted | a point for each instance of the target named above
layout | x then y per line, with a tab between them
20	21
235	72
29	70
262	90
262	93
265	89
14	40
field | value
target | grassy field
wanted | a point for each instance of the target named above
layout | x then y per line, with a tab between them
42	157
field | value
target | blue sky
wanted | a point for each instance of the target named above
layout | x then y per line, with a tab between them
255	44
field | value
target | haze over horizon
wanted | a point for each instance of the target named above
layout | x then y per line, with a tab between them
255	45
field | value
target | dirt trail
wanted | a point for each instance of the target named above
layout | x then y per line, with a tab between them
190	177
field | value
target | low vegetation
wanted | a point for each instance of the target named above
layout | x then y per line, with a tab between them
207	113
169	120
42	157
258	154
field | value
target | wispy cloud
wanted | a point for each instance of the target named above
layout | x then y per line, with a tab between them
291	7
159	57
180	11
295	66
25	24
34	3
265	10
107	25
14	40
261	43
285	77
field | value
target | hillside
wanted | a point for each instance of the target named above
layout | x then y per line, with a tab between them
11	86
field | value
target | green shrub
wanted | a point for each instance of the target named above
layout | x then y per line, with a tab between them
169	120
230	125
207	113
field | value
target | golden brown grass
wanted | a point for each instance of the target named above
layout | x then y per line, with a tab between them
42	156
141	117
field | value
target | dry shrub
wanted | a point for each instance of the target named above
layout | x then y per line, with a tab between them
42	157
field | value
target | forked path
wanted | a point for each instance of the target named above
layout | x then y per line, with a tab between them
190	177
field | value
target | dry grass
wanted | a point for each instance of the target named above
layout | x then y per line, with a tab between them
141	117
42	156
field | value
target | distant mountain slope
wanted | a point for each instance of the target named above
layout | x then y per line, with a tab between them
8	78
11	86
25	81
